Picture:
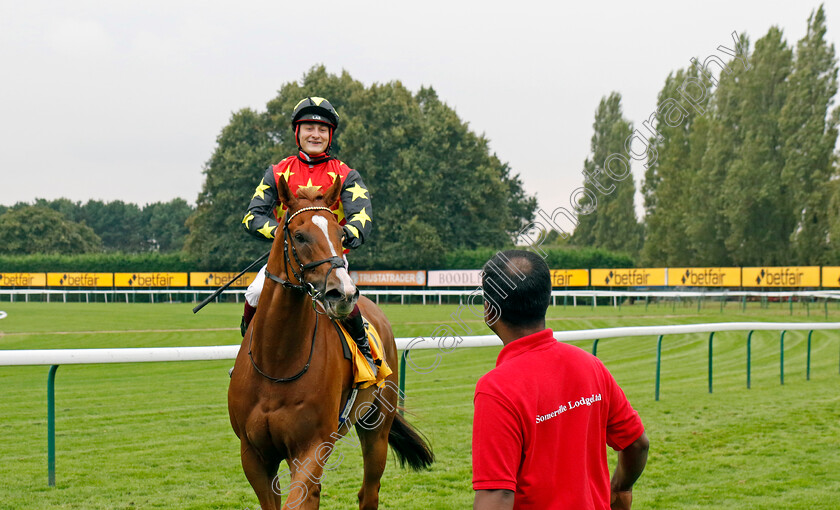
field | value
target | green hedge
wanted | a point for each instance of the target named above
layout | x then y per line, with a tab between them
97	263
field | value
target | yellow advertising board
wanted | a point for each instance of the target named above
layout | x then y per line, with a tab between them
217	279
80	279
569	277
791	276
831	276
150	280
635	277
704	276
23	279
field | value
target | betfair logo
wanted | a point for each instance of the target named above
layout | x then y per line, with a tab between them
707	277
780	277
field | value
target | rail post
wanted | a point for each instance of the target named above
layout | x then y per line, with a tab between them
711	336
658	364
808	358
402	382
595	347
782	358
749	342
51	426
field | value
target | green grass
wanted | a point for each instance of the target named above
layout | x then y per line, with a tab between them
156	435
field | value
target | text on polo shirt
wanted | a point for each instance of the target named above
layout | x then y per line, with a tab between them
568	406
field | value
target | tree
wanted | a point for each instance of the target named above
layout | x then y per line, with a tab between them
755	202
671	175
433	183
612	225
118	224
809	128
165	225
38	229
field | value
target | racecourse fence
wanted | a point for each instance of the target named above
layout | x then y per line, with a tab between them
56	357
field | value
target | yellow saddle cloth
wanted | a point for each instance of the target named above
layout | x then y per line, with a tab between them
362	373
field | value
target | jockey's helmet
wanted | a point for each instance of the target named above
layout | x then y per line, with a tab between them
314	109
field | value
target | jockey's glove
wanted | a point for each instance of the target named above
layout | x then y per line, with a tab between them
350	240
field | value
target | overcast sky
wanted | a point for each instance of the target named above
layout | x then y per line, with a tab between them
124	100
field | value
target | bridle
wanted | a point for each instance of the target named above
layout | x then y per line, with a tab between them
304	286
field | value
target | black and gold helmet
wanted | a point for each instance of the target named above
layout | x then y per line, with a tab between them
315	109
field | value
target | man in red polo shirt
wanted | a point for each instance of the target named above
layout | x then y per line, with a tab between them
544	415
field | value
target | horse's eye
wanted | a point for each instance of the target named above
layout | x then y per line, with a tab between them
299	237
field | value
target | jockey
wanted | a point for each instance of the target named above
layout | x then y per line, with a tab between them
314	122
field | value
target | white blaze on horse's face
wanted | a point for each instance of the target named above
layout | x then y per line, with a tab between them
344	277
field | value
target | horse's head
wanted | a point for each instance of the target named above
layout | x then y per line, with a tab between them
314	246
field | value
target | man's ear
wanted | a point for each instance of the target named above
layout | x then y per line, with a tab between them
284	194
332	194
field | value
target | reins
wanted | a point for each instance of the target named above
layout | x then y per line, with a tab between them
304	286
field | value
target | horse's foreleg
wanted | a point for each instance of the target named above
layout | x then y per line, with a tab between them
307	469
261	477
374	442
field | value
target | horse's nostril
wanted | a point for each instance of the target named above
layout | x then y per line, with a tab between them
334	295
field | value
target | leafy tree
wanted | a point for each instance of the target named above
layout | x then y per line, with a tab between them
165	224
37	229
612	225
756	204
119	224
668	187
433	183
809	128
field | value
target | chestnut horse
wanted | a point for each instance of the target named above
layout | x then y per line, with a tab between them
291	380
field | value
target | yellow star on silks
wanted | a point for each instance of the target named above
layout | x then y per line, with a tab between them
266	231
279	211
247	219
339	213
307	186
260	189
287	173
332	176
357	192
361	217
353	229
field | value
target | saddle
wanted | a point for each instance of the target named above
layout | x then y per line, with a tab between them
363	375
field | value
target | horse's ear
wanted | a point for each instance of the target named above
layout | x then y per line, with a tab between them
332	194
284	194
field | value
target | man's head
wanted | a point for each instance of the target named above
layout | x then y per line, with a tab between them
314	121
518	284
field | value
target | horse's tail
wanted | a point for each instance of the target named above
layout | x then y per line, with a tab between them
410	446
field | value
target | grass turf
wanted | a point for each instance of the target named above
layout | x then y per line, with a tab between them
156	435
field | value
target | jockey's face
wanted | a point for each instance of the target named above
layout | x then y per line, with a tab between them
314	137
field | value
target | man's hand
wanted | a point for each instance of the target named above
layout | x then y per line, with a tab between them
621	500
631	463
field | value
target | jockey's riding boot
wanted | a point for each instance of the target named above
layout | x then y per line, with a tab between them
247	315
355	325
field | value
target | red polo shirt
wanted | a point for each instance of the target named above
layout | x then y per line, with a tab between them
542	419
